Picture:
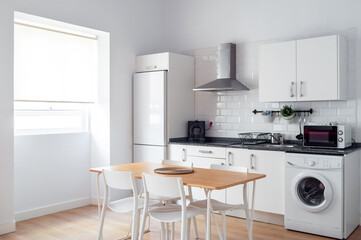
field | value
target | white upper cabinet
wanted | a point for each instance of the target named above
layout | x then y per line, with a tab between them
321	73
304	70
277	72
152	62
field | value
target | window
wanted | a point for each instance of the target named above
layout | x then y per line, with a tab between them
55	75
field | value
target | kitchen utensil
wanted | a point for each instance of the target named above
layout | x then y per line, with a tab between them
300	136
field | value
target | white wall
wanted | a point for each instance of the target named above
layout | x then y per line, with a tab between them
6	118
131	25
50	170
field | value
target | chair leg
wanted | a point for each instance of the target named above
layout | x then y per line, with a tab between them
162	230
194	218
188	228
224	227
195	227
142	225
184	229
135	224
217	226
172	232
101	224
166	231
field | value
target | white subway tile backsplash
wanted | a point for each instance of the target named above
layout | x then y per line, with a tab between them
226	112
320	104
347	111
231	112
221	105
328	111
338	103
233	119
226	126
220	119
279	127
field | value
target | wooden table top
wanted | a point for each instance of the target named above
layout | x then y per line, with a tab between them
203	178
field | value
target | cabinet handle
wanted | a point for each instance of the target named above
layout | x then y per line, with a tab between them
151	67
292	95
229	158
205	151
251	161
183	155
301	95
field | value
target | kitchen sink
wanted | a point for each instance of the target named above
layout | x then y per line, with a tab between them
280	146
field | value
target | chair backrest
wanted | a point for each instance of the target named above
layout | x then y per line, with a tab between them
119	180
178	163
229	168
165	187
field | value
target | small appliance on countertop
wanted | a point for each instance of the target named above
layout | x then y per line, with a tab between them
327	136
196	131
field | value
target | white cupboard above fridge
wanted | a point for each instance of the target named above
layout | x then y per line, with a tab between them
313	69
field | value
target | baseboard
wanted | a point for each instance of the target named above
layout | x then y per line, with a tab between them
7	227
49	209
273	218
94	201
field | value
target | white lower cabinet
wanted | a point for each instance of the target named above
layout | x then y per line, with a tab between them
270	191
204	157
177	152
269	194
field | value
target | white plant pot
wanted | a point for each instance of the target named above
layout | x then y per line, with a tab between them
290	119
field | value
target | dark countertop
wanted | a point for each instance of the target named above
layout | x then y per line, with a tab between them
235	143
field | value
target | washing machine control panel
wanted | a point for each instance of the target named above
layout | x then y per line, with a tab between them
313	161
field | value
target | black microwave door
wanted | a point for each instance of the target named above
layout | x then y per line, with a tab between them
320	136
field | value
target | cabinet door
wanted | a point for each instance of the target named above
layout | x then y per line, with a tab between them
177	152
152	62
277	72
270	191
317	68
203	162
234	195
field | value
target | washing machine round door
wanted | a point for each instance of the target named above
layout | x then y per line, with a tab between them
312	191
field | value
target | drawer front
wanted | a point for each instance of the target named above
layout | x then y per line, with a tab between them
152	62
209	152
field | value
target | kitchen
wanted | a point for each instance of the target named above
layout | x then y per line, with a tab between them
186	24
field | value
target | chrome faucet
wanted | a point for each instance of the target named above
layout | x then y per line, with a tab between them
277	138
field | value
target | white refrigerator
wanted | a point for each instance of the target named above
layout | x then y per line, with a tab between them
150	116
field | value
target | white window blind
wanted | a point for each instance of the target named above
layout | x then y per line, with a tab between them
53	66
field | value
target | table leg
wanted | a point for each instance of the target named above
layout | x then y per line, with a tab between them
208	226
249	219
98	194
252	206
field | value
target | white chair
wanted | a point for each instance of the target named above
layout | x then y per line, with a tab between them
189	195
122	181
221	207
171	188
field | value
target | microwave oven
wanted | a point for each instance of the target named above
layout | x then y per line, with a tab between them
327	136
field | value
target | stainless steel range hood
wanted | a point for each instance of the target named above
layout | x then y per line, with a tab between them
226	72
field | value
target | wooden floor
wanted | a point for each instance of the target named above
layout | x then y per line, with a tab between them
82	224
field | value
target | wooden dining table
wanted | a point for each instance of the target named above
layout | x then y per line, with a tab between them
208	179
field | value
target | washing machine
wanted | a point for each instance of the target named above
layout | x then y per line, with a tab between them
315	195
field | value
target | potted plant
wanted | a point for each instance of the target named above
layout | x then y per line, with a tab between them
288	113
